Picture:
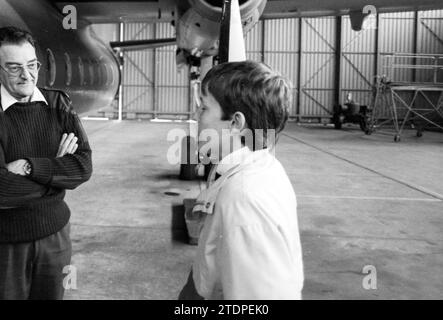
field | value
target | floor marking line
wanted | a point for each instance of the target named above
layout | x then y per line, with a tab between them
91	133
405	183
368	198
304	234
119	226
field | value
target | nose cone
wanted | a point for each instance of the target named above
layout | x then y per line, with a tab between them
232	43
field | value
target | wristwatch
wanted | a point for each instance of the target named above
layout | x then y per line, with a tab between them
27	168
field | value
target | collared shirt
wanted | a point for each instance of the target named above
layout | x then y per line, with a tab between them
249	247
7	100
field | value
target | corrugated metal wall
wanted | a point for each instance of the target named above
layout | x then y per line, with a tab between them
281	50
151	82
304	50
172	87
396	35
138	71
317	68
430	39
358	62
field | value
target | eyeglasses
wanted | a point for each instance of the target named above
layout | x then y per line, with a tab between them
17	69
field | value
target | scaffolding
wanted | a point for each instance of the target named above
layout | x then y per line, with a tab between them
409	92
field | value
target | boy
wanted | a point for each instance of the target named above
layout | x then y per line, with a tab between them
249	247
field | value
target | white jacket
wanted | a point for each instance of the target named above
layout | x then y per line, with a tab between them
249	247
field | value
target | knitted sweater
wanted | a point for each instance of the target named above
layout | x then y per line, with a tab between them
33	207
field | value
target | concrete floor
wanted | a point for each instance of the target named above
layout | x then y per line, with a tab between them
363	200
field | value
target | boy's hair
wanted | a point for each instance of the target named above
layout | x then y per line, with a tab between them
261	94
13	35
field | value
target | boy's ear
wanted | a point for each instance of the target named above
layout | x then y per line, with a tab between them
238	122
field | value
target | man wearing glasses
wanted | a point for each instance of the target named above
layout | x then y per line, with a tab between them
43	152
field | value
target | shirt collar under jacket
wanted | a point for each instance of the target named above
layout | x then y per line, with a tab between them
7	100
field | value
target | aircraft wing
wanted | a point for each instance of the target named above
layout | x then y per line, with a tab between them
197	21
101	11
134	45
316	8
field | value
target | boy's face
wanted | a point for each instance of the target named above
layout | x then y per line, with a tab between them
210	122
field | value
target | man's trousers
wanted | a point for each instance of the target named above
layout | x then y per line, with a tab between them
34	270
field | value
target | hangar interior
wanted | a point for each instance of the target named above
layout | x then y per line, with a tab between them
323	57
362	200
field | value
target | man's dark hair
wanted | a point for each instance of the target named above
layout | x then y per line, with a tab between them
261	94
13	35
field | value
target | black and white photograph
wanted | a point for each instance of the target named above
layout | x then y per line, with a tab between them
242	151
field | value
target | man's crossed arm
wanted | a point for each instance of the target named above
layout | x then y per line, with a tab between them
15	188
68	145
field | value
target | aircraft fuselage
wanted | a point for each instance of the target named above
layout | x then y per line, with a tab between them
73	60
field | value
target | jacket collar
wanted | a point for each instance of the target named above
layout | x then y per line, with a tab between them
206	200
233	159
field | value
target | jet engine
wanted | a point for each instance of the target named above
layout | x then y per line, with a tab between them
198	27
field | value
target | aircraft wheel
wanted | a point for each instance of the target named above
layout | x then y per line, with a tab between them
419	133
397	138
188	168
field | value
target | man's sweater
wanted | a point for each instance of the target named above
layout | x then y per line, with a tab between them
33	207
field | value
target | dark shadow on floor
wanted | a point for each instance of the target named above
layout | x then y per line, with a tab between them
166	176
179	230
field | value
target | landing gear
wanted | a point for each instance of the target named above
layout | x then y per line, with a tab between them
189	150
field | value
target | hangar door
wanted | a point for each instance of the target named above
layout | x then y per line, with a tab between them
151	84
357	62
317	66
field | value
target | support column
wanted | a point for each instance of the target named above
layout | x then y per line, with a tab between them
338	54
377	48
262	49
414	62
298	98
154	75
120	89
